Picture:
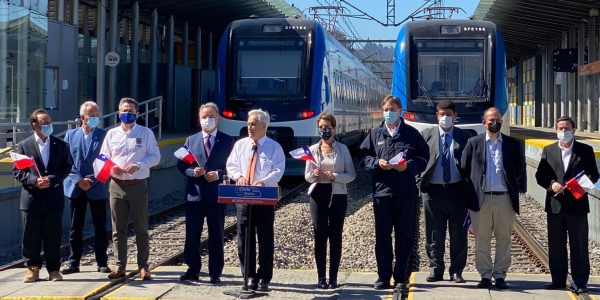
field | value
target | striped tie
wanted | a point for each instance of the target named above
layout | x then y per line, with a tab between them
446	158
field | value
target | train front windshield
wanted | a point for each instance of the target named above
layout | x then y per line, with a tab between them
269	69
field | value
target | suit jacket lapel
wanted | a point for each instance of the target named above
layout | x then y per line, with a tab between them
555	160
571	158
197	149
37	157
93	139
436	141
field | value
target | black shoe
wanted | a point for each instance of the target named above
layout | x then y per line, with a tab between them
382	285
501	284
484	283
555	286
103	269
263	286
333	284
401	288
189	277
457	278
215	280
322	283
69	270
579	290
434	278
251	284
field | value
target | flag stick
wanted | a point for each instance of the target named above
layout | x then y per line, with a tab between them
36	167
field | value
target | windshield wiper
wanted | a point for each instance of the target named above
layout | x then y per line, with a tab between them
430	102
481	85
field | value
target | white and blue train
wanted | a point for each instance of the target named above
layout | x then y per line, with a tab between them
460	60
295	70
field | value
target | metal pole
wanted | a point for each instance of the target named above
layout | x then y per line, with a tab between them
571	81
580	81
555	87
198	59
185	44
550	85
60	10
171	73
100	52
75	12
114	40
591	91
135	52
154	55
210	51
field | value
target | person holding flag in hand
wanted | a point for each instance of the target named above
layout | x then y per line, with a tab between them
202	160
328	171
562	166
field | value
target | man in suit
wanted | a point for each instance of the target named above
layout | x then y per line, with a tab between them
210	148
82	188
493	165
560	162
443	192
42	199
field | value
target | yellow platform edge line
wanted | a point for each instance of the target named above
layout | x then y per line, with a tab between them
43	298
541	143
411	281
97	290
175	141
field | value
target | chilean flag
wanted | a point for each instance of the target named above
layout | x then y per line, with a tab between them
303	154
579	185
467	224
21	161
184	154
102	167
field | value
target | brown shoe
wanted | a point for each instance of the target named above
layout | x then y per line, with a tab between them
116	274
145	274
33	275
55	276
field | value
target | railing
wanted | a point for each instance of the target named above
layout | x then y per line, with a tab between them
111	120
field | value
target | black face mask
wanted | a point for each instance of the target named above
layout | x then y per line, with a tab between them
494	127
325	133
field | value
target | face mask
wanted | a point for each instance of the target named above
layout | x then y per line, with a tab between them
47	129
494	127
127	117
446	121
208	124
325	133
565	137
390	117
93	121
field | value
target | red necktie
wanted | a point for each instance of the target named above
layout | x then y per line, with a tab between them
207	146
252	165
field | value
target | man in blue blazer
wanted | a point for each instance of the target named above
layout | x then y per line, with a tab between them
82	188
210	149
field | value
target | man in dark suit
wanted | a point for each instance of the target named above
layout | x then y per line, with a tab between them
493	165
443	192
560	162
82	188
210	149
42	199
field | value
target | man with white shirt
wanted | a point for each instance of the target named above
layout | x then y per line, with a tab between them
567	215
134	151
257	160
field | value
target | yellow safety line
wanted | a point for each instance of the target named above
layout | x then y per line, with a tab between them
175	141
541	143
411	281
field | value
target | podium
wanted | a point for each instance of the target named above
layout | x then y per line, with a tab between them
248	195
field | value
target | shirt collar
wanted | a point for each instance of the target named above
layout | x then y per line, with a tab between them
487	137
205	135
394	131
568	149
449	132
130	130
39	140
86	133
261	141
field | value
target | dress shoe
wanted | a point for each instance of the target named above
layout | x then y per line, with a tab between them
322	283
263	286
382	284
485	283
333	284
116	274
457	278
215	280
145	274
189	277
32	275
434	278
578	290
69	270
555	286
103	269
251	283
401	288
55	276
501	284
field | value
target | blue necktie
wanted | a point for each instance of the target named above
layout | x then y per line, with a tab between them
446	158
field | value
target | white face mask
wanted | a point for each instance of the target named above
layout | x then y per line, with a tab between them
208	124
446	121
565	137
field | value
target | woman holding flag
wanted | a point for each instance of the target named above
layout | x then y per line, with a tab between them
329	168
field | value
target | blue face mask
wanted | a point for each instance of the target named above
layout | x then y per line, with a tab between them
391	117
47	129
127	117
93	121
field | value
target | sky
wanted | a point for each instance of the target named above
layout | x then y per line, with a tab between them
378	9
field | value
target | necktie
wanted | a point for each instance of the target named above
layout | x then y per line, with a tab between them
252	164
446	158
207	145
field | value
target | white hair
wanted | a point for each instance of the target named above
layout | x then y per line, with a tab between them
87	104
262	115
211	105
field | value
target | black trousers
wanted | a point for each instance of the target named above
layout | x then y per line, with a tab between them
328	212
263	218
445	210
195	212
395	213
98	213
42	229
576	226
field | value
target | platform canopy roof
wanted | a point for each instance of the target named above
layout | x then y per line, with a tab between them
529	24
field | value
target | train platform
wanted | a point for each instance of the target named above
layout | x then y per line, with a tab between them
287	284
540	137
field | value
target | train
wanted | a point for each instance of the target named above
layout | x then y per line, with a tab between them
460	60
294	69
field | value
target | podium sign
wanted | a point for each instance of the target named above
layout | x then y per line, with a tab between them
248	194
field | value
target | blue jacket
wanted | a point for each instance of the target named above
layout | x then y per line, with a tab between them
380	145
83	164
198	189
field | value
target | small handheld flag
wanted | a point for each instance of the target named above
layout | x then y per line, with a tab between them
303	154
102	167
467	224
399	159
185	155
21	161
579	185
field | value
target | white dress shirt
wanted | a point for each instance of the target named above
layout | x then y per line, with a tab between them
136	146
270	163
213	136
44	148
394	131
566	154
494	171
